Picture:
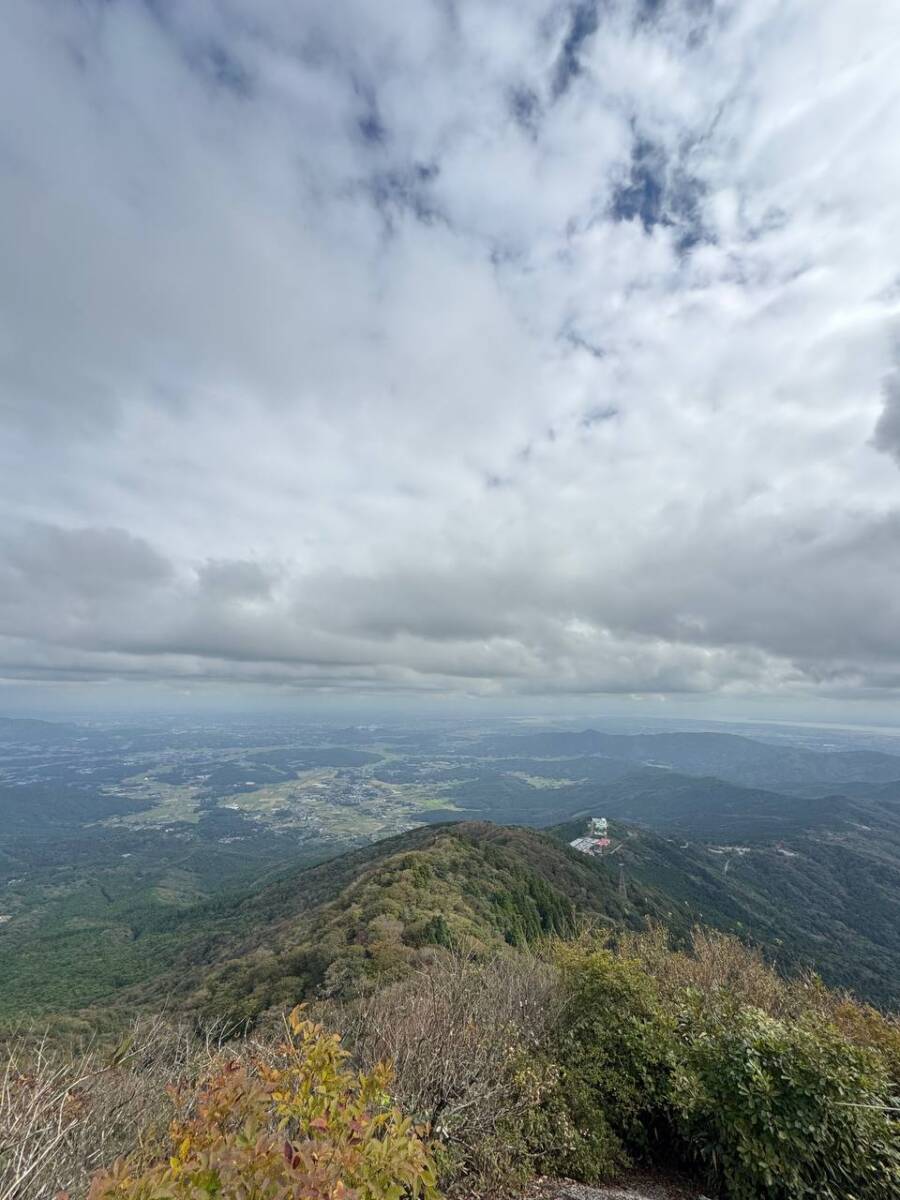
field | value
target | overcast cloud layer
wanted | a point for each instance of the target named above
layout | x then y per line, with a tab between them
478	346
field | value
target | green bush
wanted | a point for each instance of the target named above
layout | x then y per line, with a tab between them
775	1108
614	1048
785	1111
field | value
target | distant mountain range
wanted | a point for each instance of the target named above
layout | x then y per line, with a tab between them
713	809
27	731
727	756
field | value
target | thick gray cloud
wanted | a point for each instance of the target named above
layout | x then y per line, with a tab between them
887	431
503	348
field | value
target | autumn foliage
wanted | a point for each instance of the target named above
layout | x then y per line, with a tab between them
296	1123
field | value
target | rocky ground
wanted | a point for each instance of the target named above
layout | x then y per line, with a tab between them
634	1187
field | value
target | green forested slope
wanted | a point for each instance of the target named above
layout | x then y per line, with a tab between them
829	901
366	916
822	901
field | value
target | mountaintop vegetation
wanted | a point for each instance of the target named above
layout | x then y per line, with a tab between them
474	1074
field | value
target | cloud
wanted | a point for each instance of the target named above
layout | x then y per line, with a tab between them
887	430
501	349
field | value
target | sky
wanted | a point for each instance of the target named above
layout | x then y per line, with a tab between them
516	351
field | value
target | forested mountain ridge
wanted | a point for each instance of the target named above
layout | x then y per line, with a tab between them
725	755
367	916
823	902
713	809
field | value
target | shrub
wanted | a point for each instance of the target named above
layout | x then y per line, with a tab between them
468	1042
568	1063
66	1110
785	1111
302	1125
724	970
665	1055
614	1048
865	1026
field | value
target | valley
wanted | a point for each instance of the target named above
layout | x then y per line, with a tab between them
124	849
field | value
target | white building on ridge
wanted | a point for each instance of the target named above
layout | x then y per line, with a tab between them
595	842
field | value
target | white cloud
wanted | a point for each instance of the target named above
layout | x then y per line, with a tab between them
349	348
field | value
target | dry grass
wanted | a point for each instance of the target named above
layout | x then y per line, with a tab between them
719	967
66	1113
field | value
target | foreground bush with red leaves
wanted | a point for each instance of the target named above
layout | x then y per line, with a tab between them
298	1123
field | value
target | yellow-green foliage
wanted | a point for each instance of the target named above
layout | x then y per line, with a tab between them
452	891
303	1125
